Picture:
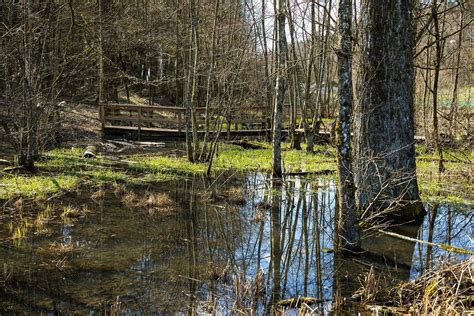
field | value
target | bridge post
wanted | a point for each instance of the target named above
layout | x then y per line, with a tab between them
179	122
102	114
139	123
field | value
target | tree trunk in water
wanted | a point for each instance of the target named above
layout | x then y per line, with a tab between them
347	219
384	152
279	87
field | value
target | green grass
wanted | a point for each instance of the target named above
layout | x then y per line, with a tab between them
64	169
161	165
453	186
235	157
35	186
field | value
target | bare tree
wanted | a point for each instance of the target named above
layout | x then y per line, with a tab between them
347	219
280	86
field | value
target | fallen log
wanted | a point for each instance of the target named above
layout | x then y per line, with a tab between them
246	145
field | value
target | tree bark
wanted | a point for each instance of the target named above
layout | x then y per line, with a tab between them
439	56
454	102
190	86
384	152
280	87
347	226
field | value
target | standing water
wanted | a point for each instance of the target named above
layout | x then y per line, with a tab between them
232	245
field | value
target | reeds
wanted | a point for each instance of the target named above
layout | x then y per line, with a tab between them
447	290
160	203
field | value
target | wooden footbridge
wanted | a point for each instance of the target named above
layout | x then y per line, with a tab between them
137	120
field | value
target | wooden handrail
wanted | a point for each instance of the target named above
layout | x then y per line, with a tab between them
171	108
141	117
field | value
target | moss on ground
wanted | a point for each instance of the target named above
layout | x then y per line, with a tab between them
65	169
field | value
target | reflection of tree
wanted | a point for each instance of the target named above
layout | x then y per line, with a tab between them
192	245
276	251
429	250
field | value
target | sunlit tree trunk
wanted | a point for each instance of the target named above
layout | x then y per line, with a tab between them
191	128
454	102
307	94
280	16
438	56
384	151
347	226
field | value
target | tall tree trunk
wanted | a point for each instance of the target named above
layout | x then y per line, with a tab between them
454	102
27	159
347	226
295	84
280	16
190	85
209	80
384	151
307	94
439	56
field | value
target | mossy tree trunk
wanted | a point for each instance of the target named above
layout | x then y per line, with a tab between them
384	152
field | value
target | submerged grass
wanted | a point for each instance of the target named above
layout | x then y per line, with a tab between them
65	169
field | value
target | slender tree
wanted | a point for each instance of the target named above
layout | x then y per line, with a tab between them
439	47
280	86
191	128
347	226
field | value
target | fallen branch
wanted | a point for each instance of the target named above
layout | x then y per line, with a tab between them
305	173
442	246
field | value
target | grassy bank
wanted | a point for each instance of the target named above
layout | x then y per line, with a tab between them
65	169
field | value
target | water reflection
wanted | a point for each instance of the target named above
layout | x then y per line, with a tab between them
237	244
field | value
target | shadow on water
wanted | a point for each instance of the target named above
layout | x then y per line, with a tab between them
236	244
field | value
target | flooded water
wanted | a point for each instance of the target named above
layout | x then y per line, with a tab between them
231	245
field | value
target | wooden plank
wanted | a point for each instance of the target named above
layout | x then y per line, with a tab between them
124	106
135	119
175	131
174	109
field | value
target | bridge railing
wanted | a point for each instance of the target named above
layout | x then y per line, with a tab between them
167	118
